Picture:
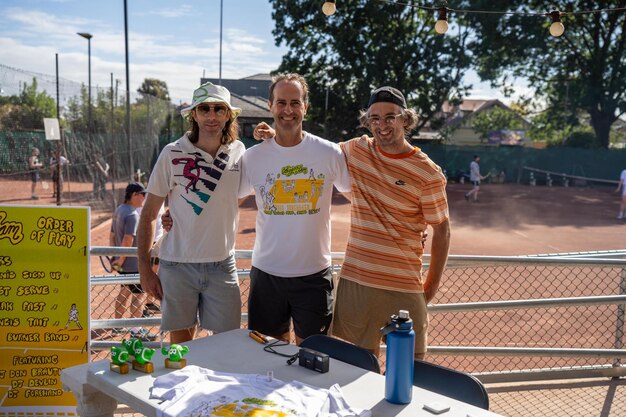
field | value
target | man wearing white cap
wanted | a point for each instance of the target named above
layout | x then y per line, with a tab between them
199	174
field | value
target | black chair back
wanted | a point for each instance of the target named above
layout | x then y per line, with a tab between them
343	351
451	383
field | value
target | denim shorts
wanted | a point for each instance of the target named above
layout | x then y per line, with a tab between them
206	291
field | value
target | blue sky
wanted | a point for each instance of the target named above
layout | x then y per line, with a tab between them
174	41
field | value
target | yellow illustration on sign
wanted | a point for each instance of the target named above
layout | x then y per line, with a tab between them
44	306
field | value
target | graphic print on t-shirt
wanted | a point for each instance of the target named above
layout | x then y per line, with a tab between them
294	191
229	407
199	177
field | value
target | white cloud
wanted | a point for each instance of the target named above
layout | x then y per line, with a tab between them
30	38
183	10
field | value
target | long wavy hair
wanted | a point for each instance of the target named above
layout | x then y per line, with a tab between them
230	133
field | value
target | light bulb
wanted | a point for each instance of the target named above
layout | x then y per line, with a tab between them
441	26
329	8
557	29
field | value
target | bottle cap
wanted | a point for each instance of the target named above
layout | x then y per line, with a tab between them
403	314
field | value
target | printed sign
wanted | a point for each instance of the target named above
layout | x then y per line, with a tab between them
44	306
51	126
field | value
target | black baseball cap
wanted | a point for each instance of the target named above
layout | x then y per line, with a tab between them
134	187
387	95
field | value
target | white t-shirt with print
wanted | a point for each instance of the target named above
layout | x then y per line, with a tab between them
199	392
293	189
202	193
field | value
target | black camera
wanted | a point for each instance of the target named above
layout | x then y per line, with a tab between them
312	359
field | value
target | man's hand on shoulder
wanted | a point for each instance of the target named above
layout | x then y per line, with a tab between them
263	131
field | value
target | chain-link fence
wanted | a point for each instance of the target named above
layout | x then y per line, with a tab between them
88	132
563	324
567	322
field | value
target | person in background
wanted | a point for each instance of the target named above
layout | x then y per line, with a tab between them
475	178
124	234
57	162
622	186
151	307
100	175
34	165
199	174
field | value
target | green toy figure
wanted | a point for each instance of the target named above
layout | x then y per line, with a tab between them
131	345
175	353
142	359
143	354
119	356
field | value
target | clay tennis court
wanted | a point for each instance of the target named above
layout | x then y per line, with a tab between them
509	219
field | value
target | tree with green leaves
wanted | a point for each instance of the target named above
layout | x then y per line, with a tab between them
582	70
155	88
28	109
365	45
495	118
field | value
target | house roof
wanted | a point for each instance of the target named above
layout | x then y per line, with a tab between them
472	105
255	85
251	106
457	114
264	77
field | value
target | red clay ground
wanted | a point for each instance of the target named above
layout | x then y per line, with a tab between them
509	219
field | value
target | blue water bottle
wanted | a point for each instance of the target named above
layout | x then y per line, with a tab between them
400	352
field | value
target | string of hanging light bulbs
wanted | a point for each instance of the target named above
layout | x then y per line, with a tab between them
441	25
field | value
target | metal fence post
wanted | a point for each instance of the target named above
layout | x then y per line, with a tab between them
619	322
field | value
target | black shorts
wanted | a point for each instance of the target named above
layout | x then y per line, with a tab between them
274	300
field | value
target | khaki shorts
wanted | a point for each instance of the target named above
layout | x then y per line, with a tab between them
361	311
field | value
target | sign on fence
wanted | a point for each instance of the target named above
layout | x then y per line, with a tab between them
51	126
44	306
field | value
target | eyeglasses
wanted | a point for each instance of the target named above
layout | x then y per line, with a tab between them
375	121
205	110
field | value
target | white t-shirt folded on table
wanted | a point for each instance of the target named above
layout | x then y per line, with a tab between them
199	392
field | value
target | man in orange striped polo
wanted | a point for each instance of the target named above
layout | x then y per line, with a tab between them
397	191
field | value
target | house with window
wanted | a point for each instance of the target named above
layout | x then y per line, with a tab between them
458	123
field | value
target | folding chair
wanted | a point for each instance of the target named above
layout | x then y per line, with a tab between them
451	383
343	351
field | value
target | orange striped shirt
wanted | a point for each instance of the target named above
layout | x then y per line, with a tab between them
394	198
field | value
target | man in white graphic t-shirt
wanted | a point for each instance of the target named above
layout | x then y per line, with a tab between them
292	175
